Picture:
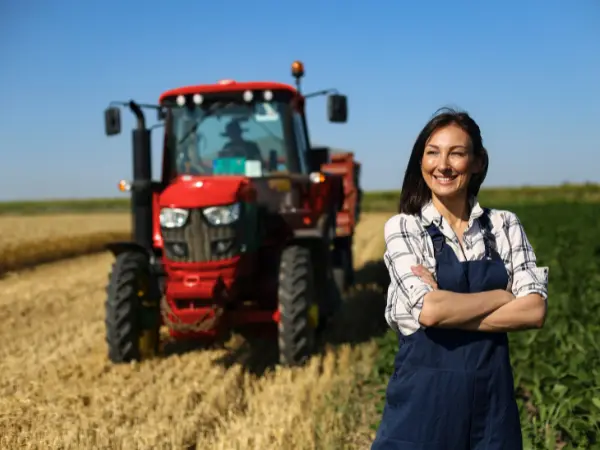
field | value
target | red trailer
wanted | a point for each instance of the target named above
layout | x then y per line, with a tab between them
345	165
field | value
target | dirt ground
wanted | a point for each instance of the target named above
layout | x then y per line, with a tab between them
58	390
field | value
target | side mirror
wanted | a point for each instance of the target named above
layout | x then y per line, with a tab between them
112	121
337	108
317	156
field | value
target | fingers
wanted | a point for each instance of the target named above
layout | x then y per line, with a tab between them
418	268
420	271
424	275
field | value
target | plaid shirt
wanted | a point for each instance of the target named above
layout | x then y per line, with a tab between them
408	243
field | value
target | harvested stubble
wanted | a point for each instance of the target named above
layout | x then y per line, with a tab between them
57	389
29	240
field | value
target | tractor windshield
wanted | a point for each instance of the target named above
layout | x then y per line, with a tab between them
228	139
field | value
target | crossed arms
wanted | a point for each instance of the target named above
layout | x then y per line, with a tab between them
496	310
524	307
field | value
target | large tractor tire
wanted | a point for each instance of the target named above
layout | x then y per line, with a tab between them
132	309
298	309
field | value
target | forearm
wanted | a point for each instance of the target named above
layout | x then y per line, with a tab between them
523	313
453	310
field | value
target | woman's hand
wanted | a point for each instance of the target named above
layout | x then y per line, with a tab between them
424	275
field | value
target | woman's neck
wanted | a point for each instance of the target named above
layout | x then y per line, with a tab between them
455	211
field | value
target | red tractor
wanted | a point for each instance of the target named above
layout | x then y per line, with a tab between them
241	232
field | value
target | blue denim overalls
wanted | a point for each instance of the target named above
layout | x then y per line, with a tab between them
453	389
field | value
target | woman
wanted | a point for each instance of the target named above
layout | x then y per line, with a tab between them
462	276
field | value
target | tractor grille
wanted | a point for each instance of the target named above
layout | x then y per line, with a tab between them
198	241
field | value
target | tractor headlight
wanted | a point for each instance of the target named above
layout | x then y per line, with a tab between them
222	215
173	217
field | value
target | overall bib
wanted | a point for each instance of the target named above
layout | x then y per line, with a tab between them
453	389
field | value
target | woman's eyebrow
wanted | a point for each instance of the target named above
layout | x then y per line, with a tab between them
451	148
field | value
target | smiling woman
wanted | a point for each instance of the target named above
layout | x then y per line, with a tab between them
462	276
448	160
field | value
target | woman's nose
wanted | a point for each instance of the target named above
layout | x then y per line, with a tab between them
443	162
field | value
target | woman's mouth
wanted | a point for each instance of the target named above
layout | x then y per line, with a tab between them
446	179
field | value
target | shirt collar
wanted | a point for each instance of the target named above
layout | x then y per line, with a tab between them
429	213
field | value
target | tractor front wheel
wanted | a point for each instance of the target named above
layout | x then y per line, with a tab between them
298	318
132	309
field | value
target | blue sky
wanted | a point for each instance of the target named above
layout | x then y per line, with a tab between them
528	71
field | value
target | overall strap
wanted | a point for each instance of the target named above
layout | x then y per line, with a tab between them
489	240
437	238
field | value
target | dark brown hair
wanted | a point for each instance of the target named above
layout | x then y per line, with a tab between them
415	192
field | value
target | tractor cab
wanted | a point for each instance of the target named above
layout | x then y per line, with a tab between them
250	129
209	135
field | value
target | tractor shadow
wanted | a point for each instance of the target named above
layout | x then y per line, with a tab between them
361	319
183	346
362	316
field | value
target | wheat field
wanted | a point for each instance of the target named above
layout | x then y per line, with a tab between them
30	229
58	391
25	241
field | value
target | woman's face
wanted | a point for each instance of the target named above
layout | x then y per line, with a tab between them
448	162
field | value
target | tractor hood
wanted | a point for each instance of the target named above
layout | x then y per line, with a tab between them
190	191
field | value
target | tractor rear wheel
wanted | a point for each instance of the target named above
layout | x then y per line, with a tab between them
132	309
297	306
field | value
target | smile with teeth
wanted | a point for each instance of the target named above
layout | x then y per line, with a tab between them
447	179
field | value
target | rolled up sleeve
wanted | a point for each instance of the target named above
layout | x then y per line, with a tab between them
528	278
403	250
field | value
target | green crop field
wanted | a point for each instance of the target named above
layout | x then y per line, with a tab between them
373	201
388	200
557	369
38	207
